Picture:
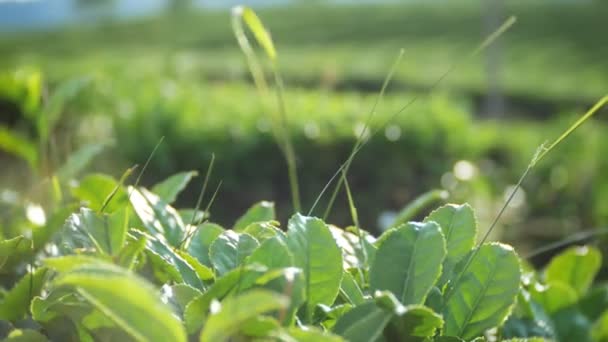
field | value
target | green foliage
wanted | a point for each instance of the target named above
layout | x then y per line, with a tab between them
15	303
230	249
483	292
420	248
315	251
259	212
235	311
127	265
562	301
168	189
576	267
130	302
263	283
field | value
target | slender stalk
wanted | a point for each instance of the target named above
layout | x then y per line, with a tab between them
280	127
355	216
361	137
484	44
541	152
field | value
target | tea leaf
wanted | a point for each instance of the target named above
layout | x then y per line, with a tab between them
128	300
239	279
95	188
230	249
272	253
167	256
259	212
363	323
315	251
235	311
16	302
458	224
417	321
553	296
106	232
408	261
485	293
168	189
201	241
350	290
157	216
576	267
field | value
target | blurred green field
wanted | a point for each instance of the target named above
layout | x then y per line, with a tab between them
182	76
555	50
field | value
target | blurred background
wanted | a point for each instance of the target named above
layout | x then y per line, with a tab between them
109	78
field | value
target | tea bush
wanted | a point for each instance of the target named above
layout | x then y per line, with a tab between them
127	265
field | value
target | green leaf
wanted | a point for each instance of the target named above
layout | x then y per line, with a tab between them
168	189
68	263
157	216
16	302
25	335
289	281
230	249
315	251
350	290
259	327
482	296
272	253
262	231
193	215
94	189
128	300
203	272
364	323
553	296
599	331
78	160
201	241
311	334
411	322
179	295
236	280
165	255
577	267
131	252
18	146
259	212
408	261
459	227
355	253
105	232
416	321
59	302
234	311
595	302
434	299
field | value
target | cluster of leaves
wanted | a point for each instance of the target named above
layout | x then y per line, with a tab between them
117	262
561	303
129	266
